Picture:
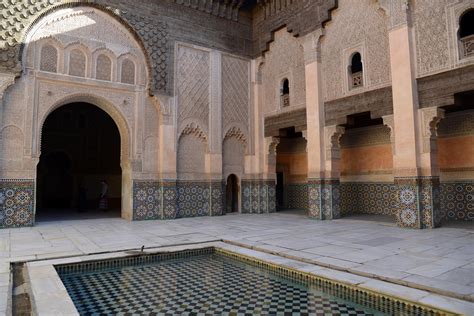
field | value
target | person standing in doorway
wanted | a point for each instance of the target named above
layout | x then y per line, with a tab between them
103	202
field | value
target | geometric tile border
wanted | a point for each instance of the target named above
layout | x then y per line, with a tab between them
16	202
176	199
296	195
457	200
368	198
258	196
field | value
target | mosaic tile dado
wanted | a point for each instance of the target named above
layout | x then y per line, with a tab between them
258	196
169	199
368	198
296	195
457	200
16	202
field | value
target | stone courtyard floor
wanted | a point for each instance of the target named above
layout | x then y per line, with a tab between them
439	260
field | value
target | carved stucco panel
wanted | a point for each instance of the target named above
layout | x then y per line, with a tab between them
355	22
284	59
432	46
235	90
192	81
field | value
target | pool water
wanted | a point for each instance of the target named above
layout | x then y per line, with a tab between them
209	284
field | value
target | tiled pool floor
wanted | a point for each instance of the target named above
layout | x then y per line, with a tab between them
209	284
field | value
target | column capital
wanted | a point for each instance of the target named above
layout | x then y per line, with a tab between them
397	11
389	121
430	118
311	46
332	135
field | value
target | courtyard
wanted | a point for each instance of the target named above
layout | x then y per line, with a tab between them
440	261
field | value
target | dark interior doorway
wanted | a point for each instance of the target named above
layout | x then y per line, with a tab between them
232	194
80	147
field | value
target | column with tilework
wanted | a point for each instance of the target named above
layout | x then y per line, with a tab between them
416	174
323	158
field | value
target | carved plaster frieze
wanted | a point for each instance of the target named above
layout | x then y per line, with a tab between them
193	129
430	118
236	133
6	80
332	137
390	123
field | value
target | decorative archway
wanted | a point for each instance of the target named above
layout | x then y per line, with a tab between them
121	125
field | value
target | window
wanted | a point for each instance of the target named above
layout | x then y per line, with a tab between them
103	68
128	72
49	59
285	93
356	71
466	33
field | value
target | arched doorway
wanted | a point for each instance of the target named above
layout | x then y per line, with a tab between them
232	194
80	147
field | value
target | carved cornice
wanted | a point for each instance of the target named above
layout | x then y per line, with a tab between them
439	89
379	102
295	118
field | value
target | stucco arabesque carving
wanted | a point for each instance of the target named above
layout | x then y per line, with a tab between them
194	129
6	80
236	133
430	118
332	137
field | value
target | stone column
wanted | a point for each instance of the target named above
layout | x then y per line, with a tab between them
323	166
416	191
214	157
167	159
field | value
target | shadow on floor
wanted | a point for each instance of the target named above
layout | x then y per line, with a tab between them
381	219
49	215
458	224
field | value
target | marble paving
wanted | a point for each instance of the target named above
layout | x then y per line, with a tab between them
439	260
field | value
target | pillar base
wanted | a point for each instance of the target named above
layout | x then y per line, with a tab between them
324	198
418	202
258	196
17	198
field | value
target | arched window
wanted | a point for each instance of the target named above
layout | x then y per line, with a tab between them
466	33
356	71
49	59
103	70
285	92
77	63
128	72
